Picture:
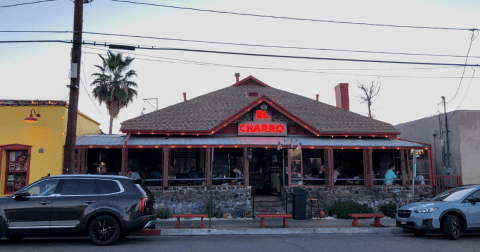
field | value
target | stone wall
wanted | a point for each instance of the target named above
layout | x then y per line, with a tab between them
226	199
372	196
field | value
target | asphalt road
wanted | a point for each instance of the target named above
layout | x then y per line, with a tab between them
242	243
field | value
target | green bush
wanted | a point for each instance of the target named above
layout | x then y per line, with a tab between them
342	208
389	209
163	213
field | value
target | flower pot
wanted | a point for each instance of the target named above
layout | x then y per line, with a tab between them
321	214
248	215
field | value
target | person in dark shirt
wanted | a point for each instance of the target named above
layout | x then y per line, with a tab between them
193	173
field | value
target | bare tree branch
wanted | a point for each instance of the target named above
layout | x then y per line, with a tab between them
369	92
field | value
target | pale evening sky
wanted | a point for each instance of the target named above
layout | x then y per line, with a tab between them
41	70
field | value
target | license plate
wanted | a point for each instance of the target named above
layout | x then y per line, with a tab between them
403	222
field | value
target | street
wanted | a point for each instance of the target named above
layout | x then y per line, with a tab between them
330	242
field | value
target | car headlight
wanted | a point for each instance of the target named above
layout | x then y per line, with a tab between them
426	210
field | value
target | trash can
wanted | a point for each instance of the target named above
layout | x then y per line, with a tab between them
299	203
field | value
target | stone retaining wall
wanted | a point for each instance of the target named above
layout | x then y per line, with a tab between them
372	196
226	199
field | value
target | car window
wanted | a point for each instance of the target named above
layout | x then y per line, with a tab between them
473	195
453	194
78	187
43	188
107	186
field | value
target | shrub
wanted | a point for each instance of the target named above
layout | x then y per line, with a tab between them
210	209
342	208
163	213
389	209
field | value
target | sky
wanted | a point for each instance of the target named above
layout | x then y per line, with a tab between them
408	92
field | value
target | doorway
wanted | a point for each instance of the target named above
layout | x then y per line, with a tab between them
265	170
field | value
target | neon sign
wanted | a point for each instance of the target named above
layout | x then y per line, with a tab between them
262	126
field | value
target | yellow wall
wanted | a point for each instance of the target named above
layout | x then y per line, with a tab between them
48	133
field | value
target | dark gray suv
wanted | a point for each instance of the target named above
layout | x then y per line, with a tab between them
105	208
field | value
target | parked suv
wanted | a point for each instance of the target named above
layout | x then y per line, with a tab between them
452	212
105	208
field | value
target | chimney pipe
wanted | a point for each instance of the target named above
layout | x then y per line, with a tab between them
341	96
184	96
237	75
317	96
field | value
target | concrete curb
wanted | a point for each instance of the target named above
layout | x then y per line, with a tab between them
279	231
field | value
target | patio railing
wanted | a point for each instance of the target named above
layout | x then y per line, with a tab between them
447	182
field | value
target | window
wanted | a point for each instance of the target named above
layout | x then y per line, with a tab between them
107	186
313	172
348	167
77	187
17	167
43	188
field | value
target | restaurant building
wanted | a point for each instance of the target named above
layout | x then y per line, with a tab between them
254	143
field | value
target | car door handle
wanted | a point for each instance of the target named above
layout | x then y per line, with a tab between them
90	201
45	202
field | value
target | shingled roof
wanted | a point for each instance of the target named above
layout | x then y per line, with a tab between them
208	111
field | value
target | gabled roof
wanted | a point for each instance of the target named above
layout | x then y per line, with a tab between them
211	111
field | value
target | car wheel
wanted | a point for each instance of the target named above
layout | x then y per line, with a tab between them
15	238
104	230
419	232
452	227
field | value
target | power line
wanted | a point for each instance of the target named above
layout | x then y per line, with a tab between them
252	54
13	5
332	69
466	92
252	45
297	19
187	62
466	58
86	91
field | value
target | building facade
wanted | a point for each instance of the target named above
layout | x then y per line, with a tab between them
32	139
458	157
250	141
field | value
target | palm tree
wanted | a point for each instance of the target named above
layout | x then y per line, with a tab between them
113	85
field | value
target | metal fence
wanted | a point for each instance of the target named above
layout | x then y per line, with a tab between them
447	182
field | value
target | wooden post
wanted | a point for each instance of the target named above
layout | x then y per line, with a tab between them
289	168
166	161
404	173
431	168
370	166
246	168
124	161
208	158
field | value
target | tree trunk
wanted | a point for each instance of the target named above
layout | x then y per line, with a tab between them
369	111
111	125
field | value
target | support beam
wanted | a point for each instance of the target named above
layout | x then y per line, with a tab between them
208	158
166	161
404	172
246	169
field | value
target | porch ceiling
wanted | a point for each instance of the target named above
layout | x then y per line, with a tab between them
271	141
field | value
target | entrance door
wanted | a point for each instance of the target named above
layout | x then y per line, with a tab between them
265	169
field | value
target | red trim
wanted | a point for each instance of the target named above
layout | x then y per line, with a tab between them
250	78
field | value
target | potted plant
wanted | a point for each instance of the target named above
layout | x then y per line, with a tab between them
248	214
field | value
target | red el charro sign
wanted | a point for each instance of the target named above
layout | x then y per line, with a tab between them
262	126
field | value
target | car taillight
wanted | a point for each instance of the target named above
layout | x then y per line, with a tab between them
143	204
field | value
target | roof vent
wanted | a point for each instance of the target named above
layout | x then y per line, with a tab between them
252	94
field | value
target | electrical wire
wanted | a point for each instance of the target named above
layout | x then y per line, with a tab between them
13	5
466	92
249	45
466	58
186	62
94	43
331	69
296	19
84	86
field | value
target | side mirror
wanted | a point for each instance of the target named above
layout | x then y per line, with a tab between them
21	194
474	200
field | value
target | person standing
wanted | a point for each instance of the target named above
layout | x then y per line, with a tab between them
390	175
102	169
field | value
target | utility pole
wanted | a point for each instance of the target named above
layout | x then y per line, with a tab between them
69	148
446	132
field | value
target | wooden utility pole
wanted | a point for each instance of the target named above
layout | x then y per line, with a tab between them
69	148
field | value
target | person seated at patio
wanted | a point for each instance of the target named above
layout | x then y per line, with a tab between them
338	174
390	175
238	174
193	174
154	175
132	173
321	175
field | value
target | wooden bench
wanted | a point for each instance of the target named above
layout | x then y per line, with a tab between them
284	216
188	216
377	217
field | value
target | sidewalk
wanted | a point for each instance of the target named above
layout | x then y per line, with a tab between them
275	226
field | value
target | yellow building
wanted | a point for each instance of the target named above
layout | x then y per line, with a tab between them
32	136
